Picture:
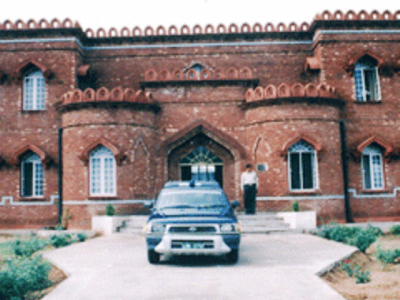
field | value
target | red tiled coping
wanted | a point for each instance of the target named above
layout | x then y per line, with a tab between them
296	90
103	95
193	75
208	29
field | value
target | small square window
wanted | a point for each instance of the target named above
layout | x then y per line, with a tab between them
262	167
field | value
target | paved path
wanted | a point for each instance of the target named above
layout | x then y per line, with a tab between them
270	267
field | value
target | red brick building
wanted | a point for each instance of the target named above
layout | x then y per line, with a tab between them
110	116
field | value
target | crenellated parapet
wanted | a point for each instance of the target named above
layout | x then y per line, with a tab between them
208	29
103	107
197	30
193	75
105	95
292	102
360	16
42	24
297	90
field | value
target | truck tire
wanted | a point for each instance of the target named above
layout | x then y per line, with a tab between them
233	256
153	257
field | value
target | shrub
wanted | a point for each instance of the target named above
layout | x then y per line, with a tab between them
61	240
362	240
347	268
387	256
59	227
296	206
355	236
110	210
23	275
81	237
395	230
337	233
361	276
28	247
375	231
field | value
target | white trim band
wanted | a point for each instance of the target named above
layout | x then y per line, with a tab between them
11	201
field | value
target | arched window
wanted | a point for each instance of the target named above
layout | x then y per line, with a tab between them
367	80
197	67
372	170
203	165
31	175
34	90
302	165
102	172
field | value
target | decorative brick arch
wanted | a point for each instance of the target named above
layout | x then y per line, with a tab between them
119	156
16	157
353	60
200	133
207	129
317	146
388	149
21	68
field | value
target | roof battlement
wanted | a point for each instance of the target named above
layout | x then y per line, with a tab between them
198	29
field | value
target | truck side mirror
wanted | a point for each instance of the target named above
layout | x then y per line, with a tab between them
235	204
149	205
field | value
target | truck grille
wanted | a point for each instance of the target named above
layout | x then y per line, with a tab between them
192	229
182	244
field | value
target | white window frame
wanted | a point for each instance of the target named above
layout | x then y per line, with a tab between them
101	185
34	90
363	66
376	174
37	176
303	145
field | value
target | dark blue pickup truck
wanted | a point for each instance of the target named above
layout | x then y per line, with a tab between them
193	218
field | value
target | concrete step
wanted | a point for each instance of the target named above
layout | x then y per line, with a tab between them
264	223
259	216
134	224
271	223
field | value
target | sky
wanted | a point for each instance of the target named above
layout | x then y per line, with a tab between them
121	13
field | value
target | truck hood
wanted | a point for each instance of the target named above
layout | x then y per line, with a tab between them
218	215
195	220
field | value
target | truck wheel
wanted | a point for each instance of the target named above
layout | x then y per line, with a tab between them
233	256
153	257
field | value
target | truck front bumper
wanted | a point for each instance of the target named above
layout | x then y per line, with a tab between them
196	244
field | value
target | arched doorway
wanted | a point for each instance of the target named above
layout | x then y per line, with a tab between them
202	150
203	165
202	158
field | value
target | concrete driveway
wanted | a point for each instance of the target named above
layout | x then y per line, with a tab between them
270	267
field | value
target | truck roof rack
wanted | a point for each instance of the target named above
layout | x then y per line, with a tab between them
192	183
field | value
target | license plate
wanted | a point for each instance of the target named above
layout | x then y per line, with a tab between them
193	245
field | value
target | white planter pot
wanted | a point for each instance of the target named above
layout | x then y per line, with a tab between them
300	220
107	224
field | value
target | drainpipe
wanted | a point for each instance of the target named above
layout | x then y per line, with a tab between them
60	173
343	142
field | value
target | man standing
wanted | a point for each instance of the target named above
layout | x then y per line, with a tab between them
249	184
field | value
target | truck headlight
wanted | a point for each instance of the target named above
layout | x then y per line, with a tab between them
157	228
229	228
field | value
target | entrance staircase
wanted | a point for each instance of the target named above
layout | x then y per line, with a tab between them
263	223
260	223
134	224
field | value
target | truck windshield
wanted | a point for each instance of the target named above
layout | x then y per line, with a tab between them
191	199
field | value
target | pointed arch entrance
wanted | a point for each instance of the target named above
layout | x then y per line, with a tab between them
203	165
204	152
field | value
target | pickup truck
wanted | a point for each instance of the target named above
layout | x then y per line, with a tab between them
192	218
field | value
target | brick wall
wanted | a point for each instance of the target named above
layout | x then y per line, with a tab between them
213	112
